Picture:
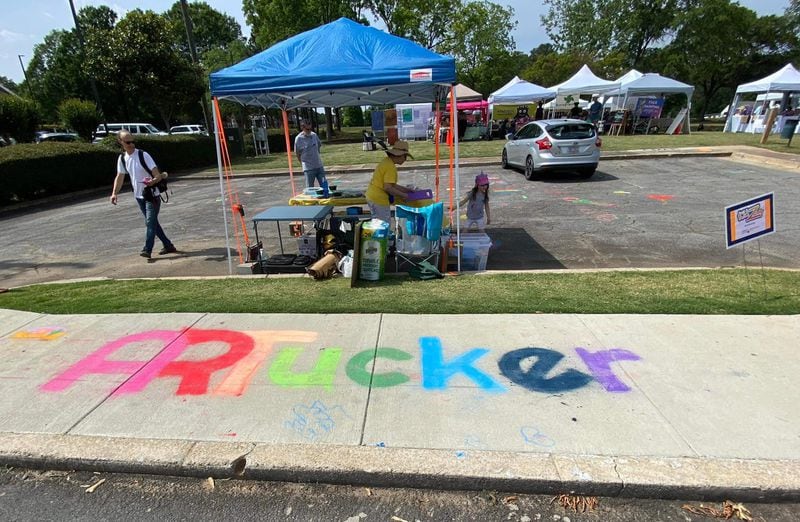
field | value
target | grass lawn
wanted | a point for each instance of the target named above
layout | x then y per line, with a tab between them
728	291
351	153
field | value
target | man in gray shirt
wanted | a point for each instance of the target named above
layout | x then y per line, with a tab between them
307	146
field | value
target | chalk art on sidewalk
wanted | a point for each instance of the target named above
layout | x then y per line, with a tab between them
244	353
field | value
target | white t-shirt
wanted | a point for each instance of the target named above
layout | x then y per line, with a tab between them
129	164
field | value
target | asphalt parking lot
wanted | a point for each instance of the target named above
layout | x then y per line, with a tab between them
640	213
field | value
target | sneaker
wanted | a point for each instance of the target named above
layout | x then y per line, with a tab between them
145	253
167	250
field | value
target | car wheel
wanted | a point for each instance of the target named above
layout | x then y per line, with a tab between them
586	173
504	159
530	174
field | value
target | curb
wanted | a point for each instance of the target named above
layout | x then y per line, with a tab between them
688	478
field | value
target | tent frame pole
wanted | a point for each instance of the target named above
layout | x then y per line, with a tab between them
218	126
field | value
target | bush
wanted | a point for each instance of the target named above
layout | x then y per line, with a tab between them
80	116
33	171
18	118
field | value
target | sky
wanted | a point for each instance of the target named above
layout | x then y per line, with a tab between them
25	24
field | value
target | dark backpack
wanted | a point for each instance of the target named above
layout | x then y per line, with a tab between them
162	186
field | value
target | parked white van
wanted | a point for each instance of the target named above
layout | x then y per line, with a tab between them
133	128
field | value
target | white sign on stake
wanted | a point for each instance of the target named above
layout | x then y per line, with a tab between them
749	219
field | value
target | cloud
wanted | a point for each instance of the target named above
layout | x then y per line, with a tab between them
48	15
11	37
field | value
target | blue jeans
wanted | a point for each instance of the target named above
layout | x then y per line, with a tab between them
314	174
150	211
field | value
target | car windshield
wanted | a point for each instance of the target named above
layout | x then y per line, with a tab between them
151	128
571	131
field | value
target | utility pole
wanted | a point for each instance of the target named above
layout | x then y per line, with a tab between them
92	84
187	22
25	75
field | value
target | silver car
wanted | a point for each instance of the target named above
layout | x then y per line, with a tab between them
549	145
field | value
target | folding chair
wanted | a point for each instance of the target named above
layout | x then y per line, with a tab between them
418	234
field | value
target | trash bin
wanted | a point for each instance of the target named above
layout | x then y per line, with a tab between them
789	126
374	245
235	140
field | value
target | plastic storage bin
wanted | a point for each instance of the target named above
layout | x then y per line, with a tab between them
474	251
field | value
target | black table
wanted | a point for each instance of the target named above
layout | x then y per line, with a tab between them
316	214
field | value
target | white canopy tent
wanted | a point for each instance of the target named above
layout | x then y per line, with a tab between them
655	84
585	82
786	81
520	91
612	100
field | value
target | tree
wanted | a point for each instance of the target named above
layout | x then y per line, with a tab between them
475	42
275	20
601	27
426	22
18	118
714	43
8	83
141	63
353	117
211	28
80	116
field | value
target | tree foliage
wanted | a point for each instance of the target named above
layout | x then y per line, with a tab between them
272	21
80	116
714	43
601	27
18	118
477	44
211	28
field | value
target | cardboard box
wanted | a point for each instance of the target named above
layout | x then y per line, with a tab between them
307	245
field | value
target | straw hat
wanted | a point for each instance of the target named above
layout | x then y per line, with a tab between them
400	148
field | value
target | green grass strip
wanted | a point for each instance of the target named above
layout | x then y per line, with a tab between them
713	291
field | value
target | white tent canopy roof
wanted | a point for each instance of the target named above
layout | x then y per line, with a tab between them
629	76
520	91
653	83
585	82
785	80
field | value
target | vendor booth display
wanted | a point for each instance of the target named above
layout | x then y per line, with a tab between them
786	81
648	91
339	64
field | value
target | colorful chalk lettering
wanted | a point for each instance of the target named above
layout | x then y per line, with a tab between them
246	352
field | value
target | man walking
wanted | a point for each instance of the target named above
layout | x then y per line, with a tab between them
307	146
144	174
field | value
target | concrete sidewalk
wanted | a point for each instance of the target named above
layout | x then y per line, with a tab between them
636	405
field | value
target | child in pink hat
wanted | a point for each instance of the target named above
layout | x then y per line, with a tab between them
477	201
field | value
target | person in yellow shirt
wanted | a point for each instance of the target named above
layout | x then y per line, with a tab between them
384	181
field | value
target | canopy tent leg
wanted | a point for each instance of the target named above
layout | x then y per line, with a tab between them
454	163
288	150
218	126
731	109
436	127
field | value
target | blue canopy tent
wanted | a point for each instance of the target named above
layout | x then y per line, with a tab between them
339	64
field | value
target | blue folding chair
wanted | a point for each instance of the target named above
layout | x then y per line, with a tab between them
418	232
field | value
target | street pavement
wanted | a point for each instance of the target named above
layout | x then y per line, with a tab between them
663	406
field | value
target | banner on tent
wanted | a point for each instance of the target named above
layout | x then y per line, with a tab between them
508	112
649	107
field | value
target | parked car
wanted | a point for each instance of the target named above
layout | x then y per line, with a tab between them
554	145
188	129
57	136
133	128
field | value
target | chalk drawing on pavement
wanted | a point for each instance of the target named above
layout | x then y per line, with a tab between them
317	421
532	435
41	334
